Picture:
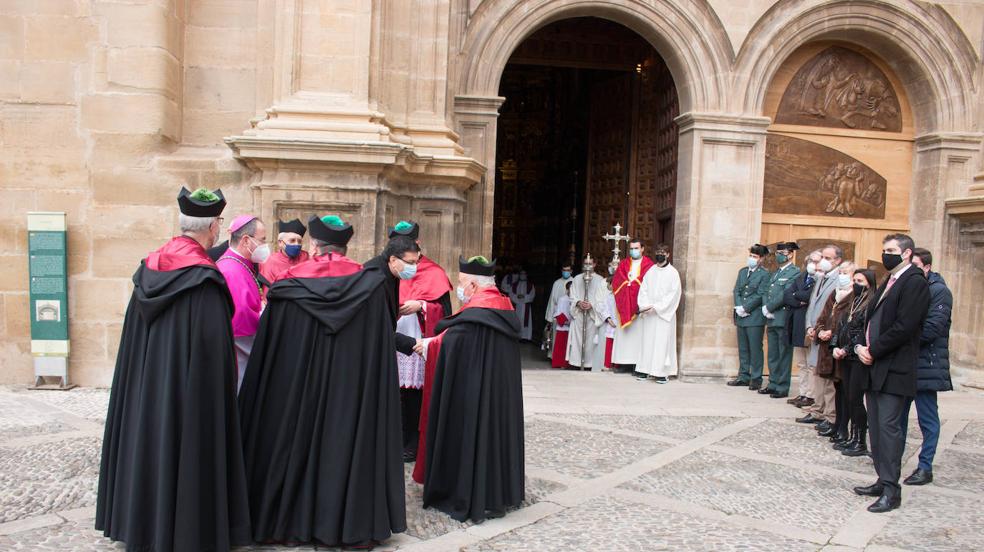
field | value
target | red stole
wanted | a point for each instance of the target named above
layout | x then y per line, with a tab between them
485	298
180	252
627	291
279	263
323	266
429	284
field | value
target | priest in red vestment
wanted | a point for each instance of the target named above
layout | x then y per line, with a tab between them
425	299
329	241
290	251
627	346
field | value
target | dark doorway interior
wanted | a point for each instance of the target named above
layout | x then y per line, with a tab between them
586	138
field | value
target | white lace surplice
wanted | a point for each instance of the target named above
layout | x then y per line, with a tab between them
411	366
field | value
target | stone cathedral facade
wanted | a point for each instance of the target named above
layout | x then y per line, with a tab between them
523	129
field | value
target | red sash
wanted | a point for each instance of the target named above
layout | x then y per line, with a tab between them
627	291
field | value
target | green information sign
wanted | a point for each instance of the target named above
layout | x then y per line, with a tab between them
48	272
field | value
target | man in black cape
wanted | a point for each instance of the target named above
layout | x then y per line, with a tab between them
172	475
321	406
474	446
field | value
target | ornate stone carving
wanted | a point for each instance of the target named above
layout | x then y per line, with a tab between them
841	88
805	178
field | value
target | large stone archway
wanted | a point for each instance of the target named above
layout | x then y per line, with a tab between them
936	64
718	206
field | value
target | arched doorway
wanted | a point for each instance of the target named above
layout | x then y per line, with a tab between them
586	139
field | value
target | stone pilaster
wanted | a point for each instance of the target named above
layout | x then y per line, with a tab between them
719	215
475	117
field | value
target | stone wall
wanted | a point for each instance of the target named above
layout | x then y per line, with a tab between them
388	109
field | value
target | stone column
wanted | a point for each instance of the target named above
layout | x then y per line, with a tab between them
718	216
475	119
943	169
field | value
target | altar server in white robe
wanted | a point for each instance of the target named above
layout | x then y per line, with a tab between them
558	290
522	292
659	297
588	312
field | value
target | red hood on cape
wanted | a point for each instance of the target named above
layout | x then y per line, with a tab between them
627	292
323	266
180	252
277	265
489	298
429	284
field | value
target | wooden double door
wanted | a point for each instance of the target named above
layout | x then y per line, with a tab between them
632	158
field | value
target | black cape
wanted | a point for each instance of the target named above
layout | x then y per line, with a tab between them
475	463
320	411
172	475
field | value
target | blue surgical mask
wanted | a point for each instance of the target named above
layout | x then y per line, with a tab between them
461	294
635	254
409	271
752	262
844	280
566	274
292	250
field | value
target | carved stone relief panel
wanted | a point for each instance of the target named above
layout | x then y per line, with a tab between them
806	178
840	88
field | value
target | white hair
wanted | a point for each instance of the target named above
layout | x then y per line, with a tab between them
194	225
481	281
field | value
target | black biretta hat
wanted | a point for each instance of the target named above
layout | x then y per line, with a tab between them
294	226
406	228
201	203
759	249
330	230
476	266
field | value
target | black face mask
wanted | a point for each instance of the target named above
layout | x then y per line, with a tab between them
891	260
859	289
660	258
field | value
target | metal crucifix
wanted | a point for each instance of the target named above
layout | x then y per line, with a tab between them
616	237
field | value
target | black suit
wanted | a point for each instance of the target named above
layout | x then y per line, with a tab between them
895	321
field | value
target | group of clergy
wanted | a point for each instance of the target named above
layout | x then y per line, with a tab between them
626	322
266	397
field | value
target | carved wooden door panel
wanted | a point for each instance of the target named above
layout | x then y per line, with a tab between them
609	156
653	181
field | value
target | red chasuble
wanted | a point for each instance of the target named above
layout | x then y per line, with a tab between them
627	291
279	263
180	252
323	266
429	284
486	298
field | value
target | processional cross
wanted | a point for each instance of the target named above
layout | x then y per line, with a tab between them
616	237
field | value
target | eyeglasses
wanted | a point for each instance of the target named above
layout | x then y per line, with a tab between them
408	262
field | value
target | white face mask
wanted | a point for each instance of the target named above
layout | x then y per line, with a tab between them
260	254
811	268
825	266
844	280
461	294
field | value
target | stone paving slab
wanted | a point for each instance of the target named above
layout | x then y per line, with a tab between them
582	453
84	402
971	436
933	522
962	471
48	477
674	427
612	524
819	502
20	419
784	440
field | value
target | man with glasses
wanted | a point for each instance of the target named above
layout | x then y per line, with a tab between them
239	265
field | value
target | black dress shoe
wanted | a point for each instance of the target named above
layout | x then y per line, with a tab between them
919	477
871	490
765	391
831	430
795	399
809	419
737	383
778	395
885	504
754	385
823	426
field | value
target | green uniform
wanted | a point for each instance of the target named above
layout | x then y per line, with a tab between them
749	290
780	346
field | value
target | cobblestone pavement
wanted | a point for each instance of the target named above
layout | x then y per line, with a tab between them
612	464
